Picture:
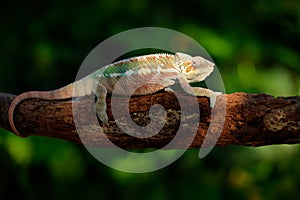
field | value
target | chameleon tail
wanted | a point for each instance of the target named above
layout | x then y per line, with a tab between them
62	93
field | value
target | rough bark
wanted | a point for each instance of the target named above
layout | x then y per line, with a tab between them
250	120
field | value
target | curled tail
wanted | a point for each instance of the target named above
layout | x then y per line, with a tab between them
62	93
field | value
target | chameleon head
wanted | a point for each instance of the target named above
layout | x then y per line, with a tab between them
193	69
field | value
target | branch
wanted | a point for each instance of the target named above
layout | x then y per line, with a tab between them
250	120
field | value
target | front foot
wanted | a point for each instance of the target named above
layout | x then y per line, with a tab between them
204	92
213	98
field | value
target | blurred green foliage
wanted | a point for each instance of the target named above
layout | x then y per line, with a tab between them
255	44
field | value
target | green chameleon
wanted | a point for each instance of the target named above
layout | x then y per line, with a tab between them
155	72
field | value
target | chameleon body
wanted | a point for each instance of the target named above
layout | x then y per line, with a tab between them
148	69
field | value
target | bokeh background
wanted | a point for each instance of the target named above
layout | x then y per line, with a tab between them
254	43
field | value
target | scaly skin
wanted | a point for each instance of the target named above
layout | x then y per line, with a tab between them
154	72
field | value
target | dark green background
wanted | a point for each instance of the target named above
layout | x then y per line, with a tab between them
254	43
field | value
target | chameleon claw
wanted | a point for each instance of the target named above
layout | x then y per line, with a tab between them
101	114
213	98
167	89
102	117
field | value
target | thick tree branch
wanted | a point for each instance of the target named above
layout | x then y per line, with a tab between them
250	120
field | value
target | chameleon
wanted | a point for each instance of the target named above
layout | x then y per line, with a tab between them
165	68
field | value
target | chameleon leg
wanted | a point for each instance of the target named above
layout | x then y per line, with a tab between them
100	105
198	91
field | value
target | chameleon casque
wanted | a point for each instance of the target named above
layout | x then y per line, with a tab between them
161	68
